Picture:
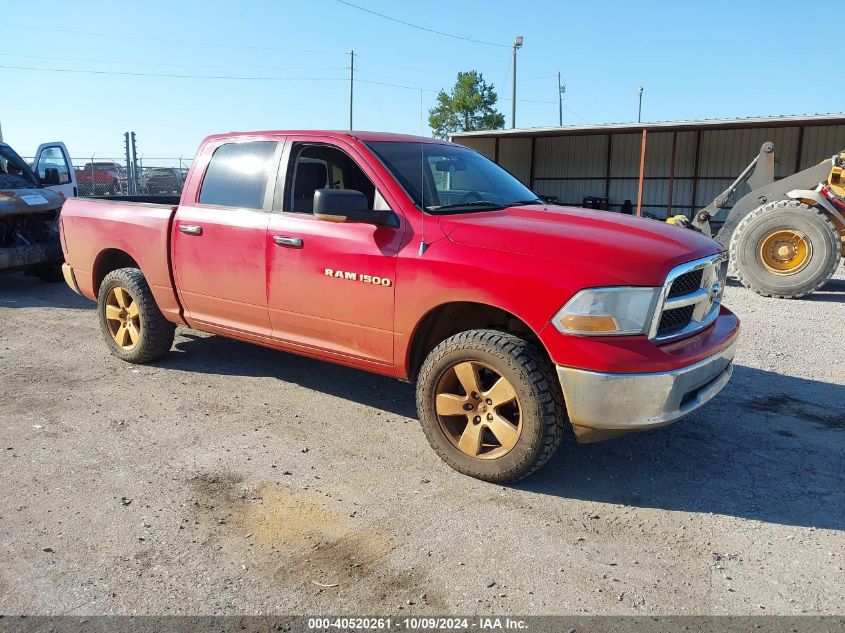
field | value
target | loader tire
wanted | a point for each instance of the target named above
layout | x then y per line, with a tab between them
785	249
134	328
490	405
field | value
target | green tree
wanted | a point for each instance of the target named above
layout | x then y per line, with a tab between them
468	107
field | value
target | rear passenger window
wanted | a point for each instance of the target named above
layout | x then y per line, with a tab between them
237	175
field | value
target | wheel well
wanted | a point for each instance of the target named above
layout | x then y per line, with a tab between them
451	318
109	260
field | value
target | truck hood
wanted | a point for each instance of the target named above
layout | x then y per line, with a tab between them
624	249
24	201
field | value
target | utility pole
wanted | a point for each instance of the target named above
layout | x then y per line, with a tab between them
127	147
517	44
351	83
640	111
136	175
561	90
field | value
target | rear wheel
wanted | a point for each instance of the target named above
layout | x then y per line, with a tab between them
490	405
785	249
134	328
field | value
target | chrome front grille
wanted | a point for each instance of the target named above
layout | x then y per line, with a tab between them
686	283
672	321
690	299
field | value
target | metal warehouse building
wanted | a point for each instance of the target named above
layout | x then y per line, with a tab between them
664	168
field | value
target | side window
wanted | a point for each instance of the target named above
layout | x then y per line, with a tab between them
237	175
322	167
52	157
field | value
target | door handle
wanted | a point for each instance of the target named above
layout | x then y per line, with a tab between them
190	229
294	242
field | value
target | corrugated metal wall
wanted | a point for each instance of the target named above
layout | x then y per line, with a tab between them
515	156
573	167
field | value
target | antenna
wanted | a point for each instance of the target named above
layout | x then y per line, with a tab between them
423	245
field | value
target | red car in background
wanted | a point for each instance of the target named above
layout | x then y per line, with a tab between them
101	178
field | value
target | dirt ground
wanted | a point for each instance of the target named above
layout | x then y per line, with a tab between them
232	479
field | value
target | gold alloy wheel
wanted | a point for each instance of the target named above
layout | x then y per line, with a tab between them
478	410
122	318
785	251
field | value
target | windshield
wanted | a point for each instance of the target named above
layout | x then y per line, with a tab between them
14	172
451	178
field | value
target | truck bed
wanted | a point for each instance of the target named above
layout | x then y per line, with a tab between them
132	230
168	200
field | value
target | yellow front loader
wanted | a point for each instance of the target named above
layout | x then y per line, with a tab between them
786	237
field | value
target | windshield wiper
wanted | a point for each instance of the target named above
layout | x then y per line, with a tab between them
458	205
518	203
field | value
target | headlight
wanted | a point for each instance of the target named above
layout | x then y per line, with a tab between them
608	311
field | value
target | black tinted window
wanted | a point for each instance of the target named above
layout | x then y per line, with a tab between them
237	175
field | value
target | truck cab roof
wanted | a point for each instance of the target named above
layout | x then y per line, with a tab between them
359	135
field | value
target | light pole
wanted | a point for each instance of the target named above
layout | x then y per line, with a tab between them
640	111
517	44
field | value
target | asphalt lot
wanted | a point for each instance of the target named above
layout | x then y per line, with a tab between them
233	479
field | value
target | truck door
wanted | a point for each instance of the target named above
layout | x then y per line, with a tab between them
331	285
219	234
55	155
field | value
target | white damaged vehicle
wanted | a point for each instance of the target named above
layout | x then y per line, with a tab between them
31	197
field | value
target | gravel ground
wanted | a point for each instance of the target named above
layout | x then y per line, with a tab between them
232	479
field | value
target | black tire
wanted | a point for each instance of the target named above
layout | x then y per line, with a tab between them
50	273
536	385
788	215
155	332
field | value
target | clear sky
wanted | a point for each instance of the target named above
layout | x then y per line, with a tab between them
711	59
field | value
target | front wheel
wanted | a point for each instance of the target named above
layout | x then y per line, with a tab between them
134	328
490	405
785	249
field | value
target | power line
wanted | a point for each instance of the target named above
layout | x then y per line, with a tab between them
378	107
236	78
123	36
166	64
421	28
411	68
382	78
170	75
528	100
571	111
384	83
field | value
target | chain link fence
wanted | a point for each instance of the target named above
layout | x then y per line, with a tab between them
103	175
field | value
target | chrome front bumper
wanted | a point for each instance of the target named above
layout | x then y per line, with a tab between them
605	405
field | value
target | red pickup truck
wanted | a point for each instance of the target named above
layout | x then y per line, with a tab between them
106	178
425	261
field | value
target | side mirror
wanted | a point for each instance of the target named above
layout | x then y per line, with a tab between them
348	205
51	176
